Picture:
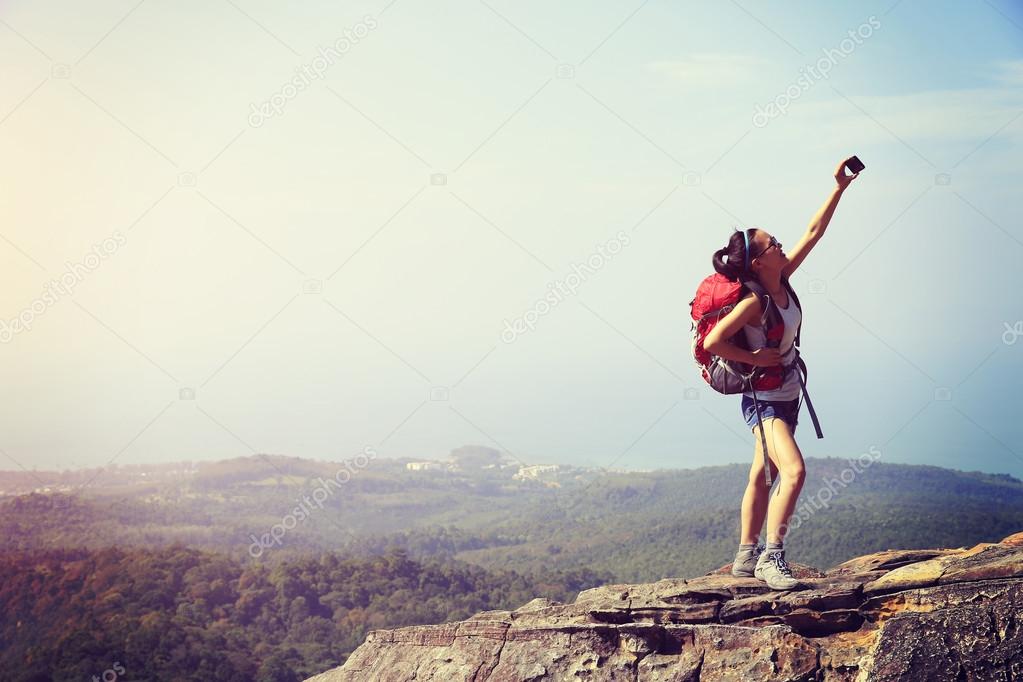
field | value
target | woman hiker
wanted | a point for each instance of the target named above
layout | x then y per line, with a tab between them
755	253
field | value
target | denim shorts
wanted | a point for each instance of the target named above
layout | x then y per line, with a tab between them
786	410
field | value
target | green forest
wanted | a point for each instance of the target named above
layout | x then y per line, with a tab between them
185	614
152	576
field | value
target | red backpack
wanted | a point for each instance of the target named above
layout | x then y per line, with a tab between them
715	298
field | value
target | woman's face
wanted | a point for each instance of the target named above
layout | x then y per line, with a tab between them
767	252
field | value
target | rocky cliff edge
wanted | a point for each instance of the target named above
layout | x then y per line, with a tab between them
912	615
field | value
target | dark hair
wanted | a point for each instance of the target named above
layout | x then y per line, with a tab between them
737	257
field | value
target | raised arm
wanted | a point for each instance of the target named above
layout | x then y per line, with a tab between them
819	222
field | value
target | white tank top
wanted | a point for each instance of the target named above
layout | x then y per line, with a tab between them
756	339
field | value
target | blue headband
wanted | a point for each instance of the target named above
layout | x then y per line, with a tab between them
746	239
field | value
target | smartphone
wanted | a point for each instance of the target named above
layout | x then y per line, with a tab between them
854	165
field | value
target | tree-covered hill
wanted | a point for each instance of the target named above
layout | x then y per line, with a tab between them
153	570
635	525
184	614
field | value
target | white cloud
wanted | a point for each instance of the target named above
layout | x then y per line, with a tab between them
950	120
1008	72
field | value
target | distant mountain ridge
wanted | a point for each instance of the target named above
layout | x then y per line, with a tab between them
635	525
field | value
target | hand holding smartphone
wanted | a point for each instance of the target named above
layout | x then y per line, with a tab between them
854	165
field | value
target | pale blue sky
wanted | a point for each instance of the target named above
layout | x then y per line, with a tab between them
555	126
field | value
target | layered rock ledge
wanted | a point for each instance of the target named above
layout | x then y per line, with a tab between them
912	615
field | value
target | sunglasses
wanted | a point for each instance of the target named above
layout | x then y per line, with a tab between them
770	245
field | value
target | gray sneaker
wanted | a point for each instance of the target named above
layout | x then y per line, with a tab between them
772	569
746	561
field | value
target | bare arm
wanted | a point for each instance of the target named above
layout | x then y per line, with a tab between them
745	312
729	351
819	222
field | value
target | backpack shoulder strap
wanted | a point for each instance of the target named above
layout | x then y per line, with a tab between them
770	316
795	299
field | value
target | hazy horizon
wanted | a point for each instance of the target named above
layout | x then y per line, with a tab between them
312	271
442	459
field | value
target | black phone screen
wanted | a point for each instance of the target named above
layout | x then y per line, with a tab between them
854	165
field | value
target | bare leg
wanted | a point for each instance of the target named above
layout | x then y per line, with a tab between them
785	455
755	500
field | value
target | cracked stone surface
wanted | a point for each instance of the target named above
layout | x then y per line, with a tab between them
896	615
